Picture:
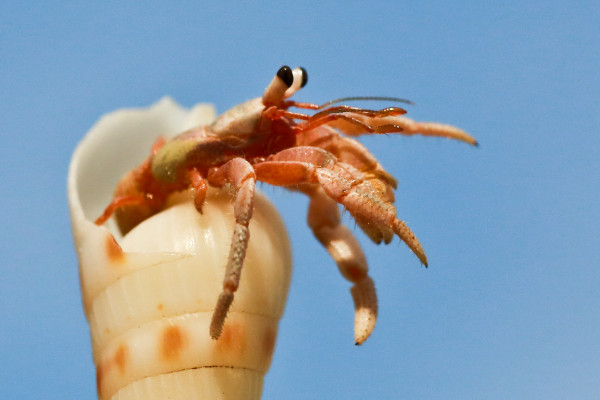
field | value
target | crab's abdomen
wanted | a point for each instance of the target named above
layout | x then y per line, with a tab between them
195	148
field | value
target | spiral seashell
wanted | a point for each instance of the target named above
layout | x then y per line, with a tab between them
149	296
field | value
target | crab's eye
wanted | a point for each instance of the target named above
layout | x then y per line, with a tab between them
304	77
300	79
286	75
282	82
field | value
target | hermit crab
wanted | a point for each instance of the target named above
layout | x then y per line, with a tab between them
262	140
259	140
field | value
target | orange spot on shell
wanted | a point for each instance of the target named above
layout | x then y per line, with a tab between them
233	338
173	340
160	306
121	357
114	252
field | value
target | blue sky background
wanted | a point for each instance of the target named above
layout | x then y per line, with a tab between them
509	307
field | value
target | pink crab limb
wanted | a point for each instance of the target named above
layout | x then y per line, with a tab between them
343	183
346	110
200	186
357	124
357	121
239	173
324	220
117	203
350	151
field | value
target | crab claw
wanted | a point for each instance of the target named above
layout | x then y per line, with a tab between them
373	213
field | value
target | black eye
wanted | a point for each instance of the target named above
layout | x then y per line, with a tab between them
286	75
304	77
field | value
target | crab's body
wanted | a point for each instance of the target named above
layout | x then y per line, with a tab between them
240	132
260	139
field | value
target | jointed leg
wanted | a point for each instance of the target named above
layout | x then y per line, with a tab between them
352	152
343	183
240	174
350	114
324	220
198	182
117	203
356	124
348	110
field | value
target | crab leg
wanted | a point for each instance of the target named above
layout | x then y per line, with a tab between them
350	119
357	121
117	203
343	183
200	186
240	174
354	125
341	110
324	220
350	151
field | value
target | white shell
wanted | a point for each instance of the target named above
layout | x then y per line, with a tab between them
149	296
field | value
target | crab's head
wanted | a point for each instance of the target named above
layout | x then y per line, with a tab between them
286	82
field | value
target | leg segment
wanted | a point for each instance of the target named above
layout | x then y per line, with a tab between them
352	152
343	183
198	182
339	111
118	202
324	220
356	121
397	124
240	174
